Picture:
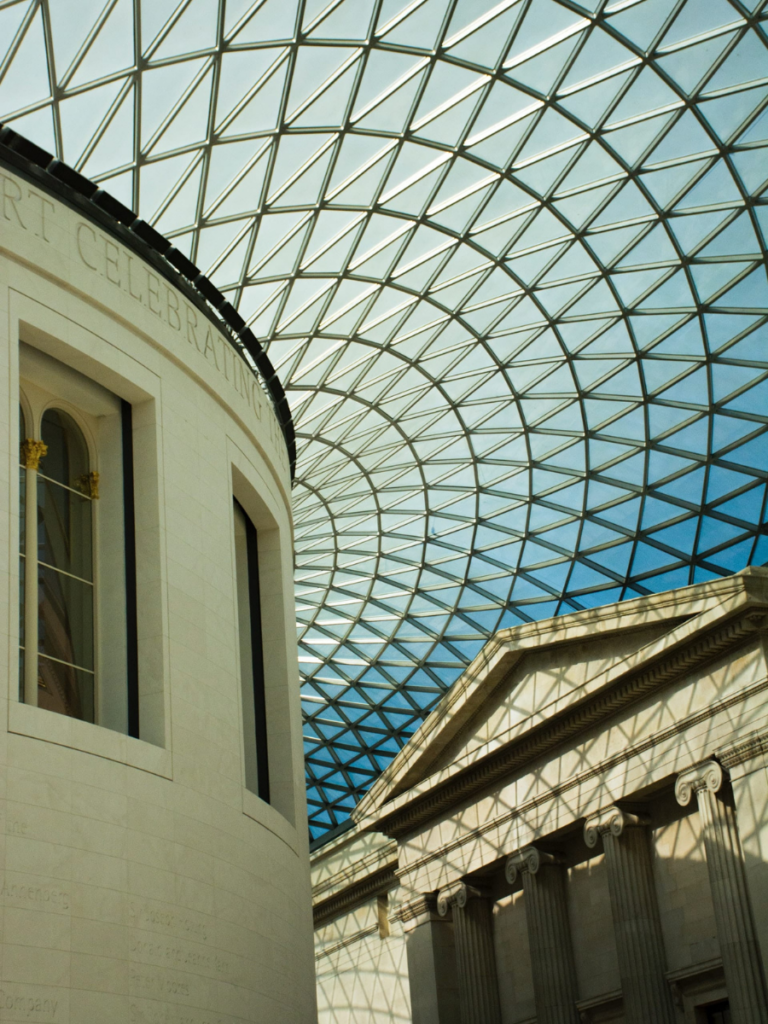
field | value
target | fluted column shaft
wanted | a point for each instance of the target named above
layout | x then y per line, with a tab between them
549	934
736	934
475	957
636	922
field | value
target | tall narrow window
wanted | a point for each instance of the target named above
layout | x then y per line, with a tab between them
78	637
251	655
25	457
58	569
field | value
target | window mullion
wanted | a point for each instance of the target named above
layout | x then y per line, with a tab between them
31	453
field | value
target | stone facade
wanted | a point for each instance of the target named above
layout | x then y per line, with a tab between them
140	881
598	784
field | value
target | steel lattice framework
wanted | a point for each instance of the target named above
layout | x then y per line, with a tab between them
509	259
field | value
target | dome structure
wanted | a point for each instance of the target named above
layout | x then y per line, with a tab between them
508	259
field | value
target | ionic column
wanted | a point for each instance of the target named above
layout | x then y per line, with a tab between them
636	922
431	962
733	914
31	453
475	959
549	933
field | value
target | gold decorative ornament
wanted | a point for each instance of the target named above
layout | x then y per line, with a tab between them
31	453
88	483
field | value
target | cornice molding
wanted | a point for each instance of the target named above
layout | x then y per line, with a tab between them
755	746
419	910
385	855
364	933
358	892
571	722
610	763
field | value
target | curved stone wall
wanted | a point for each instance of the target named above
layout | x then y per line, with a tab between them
140	880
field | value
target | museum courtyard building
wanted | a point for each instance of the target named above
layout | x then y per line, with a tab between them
384	519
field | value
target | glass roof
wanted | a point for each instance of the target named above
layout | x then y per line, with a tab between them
508	257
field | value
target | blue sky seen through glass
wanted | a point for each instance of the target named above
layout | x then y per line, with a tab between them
509	259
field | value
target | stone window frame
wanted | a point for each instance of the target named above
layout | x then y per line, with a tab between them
44	328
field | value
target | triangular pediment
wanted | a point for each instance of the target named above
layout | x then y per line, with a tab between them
528	676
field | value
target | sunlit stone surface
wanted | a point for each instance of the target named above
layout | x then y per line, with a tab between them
596	786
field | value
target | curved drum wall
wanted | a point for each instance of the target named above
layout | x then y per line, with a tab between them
140	880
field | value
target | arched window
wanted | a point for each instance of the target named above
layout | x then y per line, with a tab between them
78	640
57	585
65	492
78	605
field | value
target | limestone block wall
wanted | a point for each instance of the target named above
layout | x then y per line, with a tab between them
360	951
362	976
140	882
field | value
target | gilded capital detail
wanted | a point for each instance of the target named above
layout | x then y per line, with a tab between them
88	483
31	453
708	775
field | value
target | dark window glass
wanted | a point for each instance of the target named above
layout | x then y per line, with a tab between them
22	548
719	1013
64	532
65	629
65	571
251	655
66	460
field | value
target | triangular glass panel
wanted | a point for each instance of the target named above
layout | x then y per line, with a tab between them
113	48
275	19
196	29
688	67
26	79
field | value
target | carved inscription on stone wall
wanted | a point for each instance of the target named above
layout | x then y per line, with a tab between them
12	824
144	1012
165	918
121	268
160	985
18	1002
22	206
178	956
41	896
25	207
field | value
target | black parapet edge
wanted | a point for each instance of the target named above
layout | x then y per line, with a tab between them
36	165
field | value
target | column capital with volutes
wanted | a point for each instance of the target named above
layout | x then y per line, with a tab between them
458	894
708	775
610	821
528	860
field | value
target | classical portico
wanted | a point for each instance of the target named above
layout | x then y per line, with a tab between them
577	834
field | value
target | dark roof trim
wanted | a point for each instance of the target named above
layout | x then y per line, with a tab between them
23	157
